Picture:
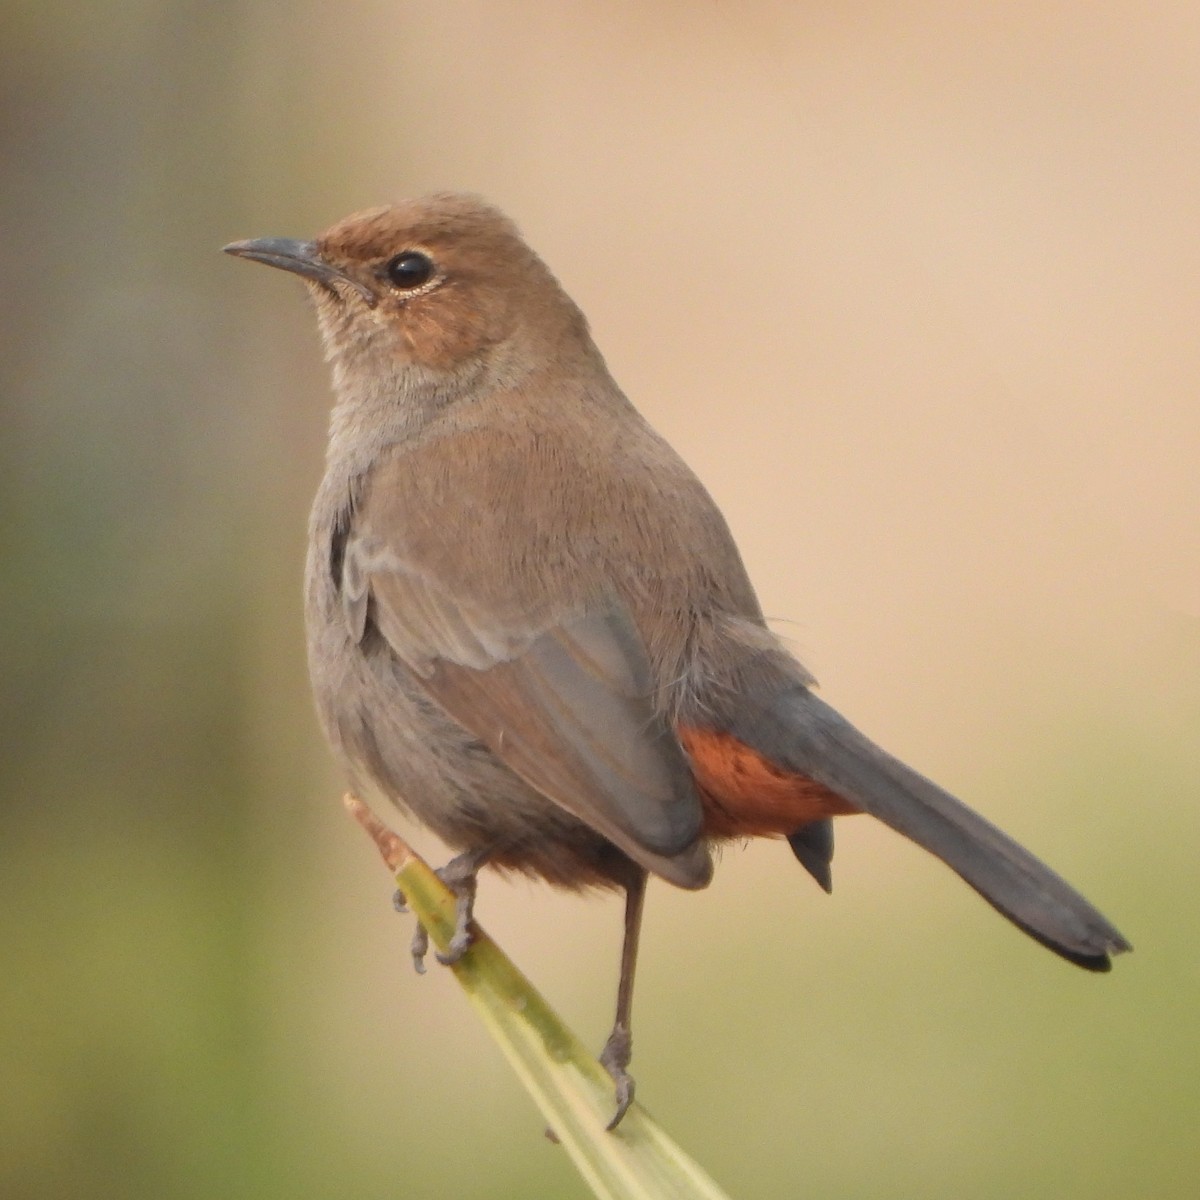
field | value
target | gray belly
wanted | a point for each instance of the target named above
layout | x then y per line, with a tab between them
387	730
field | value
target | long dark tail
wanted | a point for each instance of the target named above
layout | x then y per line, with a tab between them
802	733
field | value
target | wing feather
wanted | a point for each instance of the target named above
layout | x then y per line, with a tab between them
569	708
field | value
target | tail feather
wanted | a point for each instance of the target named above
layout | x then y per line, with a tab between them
812	844
804	734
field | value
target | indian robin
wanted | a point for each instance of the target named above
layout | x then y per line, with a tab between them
529	625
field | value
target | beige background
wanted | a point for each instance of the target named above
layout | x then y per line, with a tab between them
913	288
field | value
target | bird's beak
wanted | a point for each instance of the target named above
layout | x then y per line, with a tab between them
301	258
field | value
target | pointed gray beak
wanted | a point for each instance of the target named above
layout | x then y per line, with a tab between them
301	258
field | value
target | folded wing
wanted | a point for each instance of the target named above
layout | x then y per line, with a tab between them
567	705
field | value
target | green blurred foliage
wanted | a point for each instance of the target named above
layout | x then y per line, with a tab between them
203	992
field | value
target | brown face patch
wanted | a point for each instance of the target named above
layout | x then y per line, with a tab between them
483	272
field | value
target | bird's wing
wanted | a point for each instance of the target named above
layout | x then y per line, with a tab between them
567	705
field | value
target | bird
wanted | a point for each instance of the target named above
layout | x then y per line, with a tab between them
528	623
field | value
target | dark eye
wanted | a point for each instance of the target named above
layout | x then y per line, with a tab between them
410	270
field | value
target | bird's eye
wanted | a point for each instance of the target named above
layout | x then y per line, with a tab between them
410	270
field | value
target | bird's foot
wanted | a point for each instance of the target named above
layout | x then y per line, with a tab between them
459	876
615	1058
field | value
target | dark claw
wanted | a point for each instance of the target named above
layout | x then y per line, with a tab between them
399	903
625	1088
614	1058
420	947
460	943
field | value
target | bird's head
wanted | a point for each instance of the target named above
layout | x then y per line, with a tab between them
435	288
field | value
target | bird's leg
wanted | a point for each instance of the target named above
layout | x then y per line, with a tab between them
459	876
618	1049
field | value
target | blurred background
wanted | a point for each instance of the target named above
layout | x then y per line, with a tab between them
914	289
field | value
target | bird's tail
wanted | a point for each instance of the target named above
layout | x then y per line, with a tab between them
802	733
